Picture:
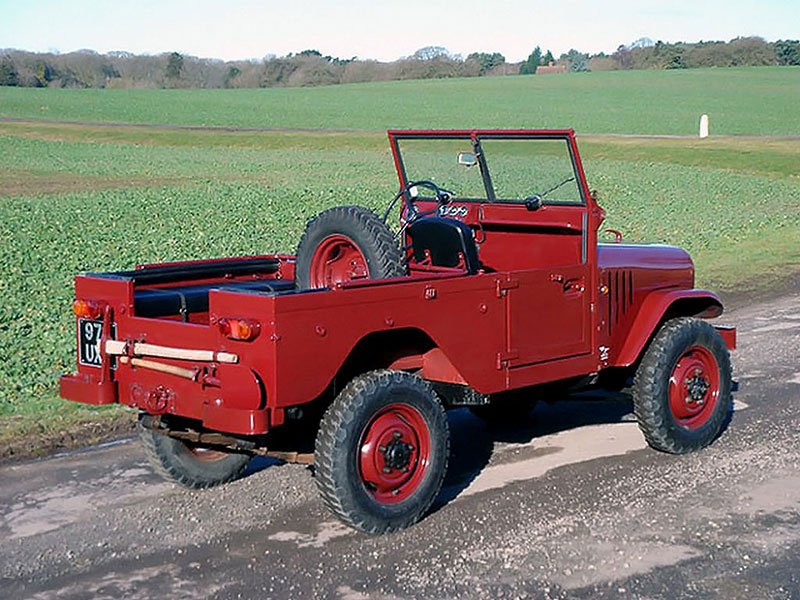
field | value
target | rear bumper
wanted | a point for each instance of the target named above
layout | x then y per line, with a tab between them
83	388
214	415
235	420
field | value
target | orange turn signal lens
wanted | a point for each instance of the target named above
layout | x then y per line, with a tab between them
86	309
240	329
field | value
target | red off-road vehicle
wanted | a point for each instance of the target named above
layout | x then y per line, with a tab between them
482	297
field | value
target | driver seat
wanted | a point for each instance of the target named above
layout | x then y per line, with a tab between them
447	242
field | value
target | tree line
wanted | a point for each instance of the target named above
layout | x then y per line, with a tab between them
89	69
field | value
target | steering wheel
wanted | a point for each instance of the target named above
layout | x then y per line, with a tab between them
442	195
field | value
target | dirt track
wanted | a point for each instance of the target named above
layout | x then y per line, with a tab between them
569	504
167	126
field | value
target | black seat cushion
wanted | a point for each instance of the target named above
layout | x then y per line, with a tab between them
186	299
445	240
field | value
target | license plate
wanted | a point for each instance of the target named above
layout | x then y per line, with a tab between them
89	334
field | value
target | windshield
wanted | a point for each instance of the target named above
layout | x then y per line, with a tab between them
518	168
522	168
436	160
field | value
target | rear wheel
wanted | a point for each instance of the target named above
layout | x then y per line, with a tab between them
191	465
346	243
682	389
381	451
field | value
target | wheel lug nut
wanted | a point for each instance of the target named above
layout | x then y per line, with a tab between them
382	449
397	435
386	470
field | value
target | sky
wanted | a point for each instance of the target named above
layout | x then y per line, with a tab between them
380	29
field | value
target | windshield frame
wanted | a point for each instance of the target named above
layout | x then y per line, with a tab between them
475	137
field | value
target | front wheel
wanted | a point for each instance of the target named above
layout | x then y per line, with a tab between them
381	451
191	465
682	388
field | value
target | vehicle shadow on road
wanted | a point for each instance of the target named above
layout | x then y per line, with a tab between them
473	441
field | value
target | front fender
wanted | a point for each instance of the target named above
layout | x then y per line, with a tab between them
659	306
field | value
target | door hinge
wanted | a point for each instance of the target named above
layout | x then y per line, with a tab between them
503	358
503	285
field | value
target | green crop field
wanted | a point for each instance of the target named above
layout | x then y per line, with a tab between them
77	197
761	100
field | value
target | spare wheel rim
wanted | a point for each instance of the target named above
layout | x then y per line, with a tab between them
337	259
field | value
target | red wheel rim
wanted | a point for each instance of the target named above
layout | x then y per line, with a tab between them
394	453
337	259
694	388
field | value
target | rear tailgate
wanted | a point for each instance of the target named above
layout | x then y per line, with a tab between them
166	365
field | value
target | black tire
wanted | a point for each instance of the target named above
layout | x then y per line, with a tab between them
364	228
345	433
191	466
683	339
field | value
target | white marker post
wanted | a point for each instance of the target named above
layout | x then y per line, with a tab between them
704	126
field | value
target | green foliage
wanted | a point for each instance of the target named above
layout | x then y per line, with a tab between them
233	73
787	52
430	53
739	52
529	65
174	66
548	58
578	61
109	71
487	61
43	73
8	72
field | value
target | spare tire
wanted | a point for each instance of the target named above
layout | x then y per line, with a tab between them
346	243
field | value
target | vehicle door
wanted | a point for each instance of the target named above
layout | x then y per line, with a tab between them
536	230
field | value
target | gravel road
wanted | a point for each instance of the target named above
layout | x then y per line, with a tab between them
570	504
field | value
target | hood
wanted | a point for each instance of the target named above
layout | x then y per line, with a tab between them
656	265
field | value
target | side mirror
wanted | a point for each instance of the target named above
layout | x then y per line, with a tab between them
533	202
467	159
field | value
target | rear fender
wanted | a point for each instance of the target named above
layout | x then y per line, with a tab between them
403	350
659	307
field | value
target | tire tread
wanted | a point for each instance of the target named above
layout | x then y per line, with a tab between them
389	260
160	451
655	369
342	414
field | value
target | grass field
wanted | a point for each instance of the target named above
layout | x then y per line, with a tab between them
77	198
739	101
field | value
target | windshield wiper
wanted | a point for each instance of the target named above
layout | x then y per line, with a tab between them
554	188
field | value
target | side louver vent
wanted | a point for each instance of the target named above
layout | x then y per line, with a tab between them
620	295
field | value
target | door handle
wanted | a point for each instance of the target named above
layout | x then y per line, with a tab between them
570	287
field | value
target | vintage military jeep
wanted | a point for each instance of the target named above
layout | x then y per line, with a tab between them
493	288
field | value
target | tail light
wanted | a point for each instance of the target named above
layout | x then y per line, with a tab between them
240	329
87	309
